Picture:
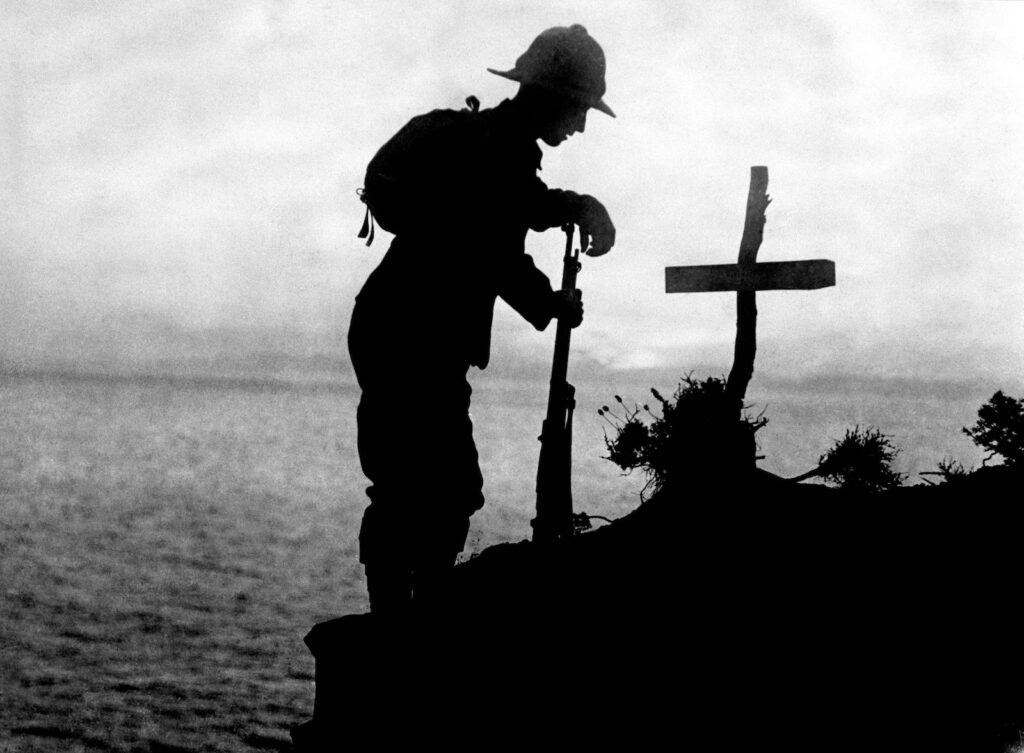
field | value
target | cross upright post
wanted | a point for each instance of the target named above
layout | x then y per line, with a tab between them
746	277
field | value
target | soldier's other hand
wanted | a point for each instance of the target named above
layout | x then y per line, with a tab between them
593	220
568	305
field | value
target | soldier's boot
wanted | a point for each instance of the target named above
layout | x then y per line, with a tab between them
384	552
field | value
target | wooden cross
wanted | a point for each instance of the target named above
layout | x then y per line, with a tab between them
746	277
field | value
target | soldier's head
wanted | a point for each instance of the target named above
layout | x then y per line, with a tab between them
561	76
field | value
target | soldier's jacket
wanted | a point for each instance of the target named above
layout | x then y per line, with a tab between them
460	190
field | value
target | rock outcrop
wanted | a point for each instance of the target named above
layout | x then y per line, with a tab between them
733	612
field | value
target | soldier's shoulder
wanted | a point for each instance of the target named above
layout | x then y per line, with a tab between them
442	118
424	131
444	130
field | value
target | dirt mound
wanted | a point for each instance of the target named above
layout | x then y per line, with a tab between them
747	609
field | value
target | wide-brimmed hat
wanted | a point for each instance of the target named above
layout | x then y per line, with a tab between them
565	59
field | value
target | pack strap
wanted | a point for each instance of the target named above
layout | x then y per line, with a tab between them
368	224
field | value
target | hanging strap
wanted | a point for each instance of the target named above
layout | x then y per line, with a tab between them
368	224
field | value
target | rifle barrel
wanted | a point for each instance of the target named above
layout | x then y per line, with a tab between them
554	487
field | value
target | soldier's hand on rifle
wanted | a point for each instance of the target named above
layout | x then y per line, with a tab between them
593	220
568	305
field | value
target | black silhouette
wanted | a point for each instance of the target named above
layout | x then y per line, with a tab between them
1000	428
460	191
555	519
737	608
746	277
695	434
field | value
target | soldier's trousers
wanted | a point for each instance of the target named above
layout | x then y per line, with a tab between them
415	446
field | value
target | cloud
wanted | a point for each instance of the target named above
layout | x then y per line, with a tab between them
198	163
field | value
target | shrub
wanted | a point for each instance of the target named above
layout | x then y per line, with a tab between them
861	461
1000	428
952	470
701	430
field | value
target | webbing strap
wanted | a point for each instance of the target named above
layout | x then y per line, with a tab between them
368	224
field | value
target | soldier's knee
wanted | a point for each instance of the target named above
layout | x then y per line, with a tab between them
397	528
457	533
384	535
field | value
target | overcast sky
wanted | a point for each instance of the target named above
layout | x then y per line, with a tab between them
177	175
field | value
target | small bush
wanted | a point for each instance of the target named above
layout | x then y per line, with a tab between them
861	461
952	470
1000	428
701	430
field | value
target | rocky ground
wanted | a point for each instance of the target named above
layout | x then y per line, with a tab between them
735	612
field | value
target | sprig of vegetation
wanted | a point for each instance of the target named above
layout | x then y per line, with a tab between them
950	470
861	462
700	429
1000	428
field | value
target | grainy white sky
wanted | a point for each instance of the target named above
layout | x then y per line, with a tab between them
181	176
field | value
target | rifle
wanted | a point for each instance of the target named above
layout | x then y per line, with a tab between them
554	519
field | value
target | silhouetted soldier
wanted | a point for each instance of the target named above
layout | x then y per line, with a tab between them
460	191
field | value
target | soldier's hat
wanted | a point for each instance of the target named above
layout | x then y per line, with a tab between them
565	59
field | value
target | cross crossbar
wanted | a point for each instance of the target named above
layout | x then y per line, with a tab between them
808	274
746	277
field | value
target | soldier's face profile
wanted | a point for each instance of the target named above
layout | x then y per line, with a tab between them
566	120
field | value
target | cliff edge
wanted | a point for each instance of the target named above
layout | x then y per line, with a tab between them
742	609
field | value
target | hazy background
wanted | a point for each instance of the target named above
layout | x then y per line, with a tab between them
177	192
178	205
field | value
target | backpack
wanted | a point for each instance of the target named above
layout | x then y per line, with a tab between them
404	180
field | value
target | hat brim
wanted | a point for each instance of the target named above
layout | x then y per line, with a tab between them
514	75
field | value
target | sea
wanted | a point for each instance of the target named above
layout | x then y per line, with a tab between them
167	541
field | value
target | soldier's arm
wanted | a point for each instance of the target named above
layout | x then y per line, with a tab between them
554	207
527	290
